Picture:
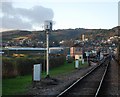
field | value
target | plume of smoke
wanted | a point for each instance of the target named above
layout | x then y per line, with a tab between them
22	18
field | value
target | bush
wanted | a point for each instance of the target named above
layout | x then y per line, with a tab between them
70	60
22	66
41	61
25	65
53	62
8	68
57	61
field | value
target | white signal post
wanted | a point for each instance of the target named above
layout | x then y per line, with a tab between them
47	37
48	28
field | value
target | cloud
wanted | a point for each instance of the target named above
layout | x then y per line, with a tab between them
21	18
14	23
36	14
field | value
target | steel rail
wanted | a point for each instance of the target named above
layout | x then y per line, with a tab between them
99	87
81	78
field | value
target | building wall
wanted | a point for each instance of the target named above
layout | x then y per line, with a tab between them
75	51
72	51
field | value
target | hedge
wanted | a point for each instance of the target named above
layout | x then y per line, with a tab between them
9	68
12	67
25	65
56	61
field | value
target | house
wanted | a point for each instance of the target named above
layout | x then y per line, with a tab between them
76	49
80	49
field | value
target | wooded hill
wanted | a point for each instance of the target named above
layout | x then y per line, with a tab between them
61	34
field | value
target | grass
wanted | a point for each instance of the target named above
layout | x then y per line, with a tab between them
16	85
84	65
19	85
0	87
66	68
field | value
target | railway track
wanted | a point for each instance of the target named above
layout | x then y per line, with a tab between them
110	86
90	84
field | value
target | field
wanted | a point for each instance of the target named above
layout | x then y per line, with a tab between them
19	85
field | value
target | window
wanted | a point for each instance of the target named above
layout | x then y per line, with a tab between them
77	49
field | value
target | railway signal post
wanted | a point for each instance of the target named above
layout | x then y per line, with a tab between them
48	28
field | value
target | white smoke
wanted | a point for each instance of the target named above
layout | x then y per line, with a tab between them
22	18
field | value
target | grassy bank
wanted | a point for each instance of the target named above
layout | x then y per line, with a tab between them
19	85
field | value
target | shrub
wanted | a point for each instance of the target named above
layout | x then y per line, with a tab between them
70	60
41	61
8	68
57	61
21	66
25	65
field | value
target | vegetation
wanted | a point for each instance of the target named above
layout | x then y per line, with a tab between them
8	68
20	84
16	85
84	65
17	72
63	69
37	38
21	66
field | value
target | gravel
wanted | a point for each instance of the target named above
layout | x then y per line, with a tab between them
54	85
88	85
111	82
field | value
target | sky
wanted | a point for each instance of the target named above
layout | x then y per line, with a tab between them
31	14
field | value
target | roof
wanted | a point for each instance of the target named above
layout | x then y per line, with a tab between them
77	45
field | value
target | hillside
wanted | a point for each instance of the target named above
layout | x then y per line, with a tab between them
58	35
9	35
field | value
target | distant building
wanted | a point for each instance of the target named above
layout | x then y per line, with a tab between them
81	49
56	50
20	38
83	37
77	49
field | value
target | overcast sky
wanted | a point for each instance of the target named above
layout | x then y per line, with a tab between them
31	14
